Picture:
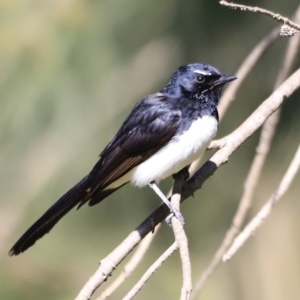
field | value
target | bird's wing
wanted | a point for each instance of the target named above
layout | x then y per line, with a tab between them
150	126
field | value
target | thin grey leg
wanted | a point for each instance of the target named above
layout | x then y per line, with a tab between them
160	194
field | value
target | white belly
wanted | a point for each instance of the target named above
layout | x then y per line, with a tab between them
177	154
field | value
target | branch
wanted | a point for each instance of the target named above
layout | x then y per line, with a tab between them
267	208
234	140
255	9
181	239
129	267
151	271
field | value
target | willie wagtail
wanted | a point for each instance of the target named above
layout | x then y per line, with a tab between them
164	134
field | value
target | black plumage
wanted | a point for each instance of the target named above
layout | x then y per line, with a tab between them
155	121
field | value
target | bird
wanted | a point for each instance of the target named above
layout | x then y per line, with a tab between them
164	133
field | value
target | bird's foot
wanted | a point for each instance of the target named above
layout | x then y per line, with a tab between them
175	213
178	216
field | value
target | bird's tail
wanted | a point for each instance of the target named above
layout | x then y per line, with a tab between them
46	222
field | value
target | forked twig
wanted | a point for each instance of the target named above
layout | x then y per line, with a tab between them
267	208
269	13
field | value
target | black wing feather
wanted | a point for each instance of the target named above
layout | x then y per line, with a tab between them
141	135
149	127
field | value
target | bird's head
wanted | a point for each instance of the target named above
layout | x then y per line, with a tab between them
197	81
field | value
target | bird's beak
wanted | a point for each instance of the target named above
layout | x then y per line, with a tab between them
224	79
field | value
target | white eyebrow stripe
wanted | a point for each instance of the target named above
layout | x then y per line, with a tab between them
202	72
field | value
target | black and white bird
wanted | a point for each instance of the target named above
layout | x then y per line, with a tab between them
164	134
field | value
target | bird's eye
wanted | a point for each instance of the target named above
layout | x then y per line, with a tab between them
200	79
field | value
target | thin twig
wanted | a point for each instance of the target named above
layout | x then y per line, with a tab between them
233	141
267	208
181	240
253	176
157	264
255	9
129	267
247	65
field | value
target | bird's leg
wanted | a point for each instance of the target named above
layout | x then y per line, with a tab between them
160	194
186	175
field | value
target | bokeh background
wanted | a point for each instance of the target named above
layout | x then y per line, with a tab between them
70	72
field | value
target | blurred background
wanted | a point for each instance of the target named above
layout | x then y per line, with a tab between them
71	70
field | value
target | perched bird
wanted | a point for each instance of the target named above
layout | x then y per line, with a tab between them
164	134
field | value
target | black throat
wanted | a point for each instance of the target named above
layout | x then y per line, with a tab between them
194	105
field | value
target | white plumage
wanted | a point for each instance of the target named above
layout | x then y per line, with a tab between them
178	153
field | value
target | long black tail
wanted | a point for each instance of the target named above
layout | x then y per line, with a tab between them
46	222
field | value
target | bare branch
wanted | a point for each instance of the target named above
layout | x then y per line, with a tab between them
151	271
256	9
130	266
267	208
181	240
